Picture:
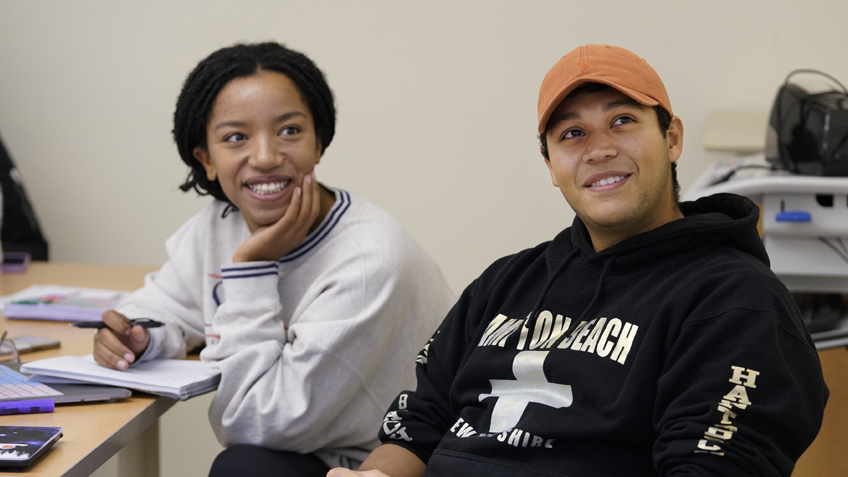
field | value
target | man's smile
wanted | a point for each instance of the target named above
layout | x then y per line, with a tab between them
605	181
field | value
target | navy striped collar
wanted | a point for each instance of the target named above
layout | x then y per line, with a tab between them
327	225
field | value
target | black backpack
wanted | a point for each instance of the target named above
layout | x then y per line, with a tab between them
20	232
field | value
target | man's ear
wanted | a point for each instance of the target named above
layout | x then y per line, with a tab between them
202	156
551	170
674	137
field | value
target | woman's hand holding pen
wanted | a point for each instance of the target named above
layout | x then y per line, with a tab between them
118	345
273	241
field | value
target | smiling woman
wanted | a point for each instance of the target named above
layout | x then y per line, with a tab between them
261	147
311	301
260	137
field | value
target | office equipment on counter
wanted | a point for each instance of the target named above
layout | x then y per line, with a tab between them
175	378
808	129
21	446
15	386
60	303
805	231
99	325
27	407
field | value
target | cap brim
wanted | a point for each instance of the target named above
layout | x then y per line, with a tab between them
576	83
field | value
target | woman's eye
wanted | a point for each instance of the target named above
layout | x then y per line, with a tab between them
289	130
573	133
623	120
234	137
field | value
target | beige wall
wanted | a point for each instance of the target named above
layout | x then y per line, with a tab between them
436	103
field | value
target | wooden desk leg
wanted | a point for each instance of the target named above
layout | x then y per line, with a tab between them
140	458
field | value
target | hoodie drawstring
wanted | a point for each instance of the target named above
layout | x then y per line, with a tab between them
531	322
535	310
597	289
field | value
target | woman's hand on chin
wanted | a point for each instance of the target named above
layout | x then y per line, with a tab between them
271	242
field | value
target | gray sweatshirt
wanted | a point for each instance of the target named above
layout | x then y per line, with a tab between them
313	347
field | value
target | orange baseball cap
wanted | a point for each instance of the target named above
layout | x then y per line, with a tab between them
610	65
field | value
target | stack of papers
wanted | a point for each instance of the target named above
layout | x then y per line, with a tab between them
174	378
60	303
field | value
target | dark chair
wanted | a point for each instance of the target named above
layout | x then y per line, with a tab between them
20	231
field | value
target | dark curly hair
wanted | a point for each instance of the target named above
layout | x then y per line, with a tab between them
201	88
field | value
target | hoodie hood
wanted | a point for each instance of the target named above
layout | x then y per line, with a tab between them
726	219
722	218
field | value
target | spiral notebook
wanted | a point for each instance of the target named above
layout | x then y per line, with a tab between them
175	378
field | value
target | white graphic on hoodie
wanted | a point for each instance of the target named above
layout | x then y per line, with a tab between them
530	385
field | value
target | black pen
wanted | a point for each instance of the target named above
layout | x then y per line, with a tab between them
143	322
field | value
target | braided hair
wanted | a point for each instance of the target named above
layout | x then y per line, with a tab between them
201	88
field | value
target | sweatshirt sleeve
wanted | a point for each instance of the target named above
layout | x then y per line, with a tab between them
419	420
741	391
174	293
310	384
167	297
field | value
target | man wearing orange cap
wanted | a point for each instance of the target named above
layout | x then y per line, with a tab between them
649	338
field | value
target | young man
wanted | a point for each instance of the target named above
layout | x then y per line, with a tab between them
649	338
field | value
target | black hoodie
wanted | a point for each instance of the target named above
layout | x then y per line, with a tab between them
676	352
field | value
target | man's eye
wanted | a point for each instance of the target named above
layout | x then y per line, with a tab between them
289	130
573	133
235	137
623	120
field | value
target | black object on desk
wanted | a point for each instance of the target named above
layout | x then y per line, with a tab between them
21	446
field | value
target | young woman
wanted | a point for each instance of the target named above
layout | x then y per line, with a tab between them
311	301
